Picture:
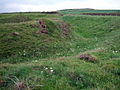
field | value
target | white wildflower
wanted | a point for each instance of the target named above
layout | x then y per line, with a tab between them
116	51
51	68
46	68
36	61
51	71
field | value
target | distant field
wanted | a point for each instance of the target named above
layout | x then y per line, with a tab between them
80	11
64	50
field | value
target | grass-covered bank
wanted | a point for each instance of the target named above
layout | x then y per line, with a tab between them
63	73
50	60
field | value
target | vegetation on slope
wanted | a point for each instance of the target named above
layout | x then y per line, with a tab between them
79	11
25	39
52	61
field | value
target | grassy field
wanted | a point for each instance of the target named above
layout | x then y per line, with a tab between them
33	60
80	11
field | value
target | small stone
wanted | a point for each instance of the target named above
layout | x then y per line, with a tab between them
15	33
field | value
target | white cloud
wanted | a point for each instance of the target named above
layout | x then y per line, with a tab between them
51	5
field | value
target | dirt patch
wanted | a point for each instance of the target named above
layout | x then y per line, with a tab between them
87	57
41	26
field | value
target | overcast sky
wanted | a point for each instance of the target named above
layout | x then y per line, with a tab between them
52	5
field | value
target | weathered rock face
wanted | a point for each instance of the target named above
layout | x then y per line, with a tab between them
87	57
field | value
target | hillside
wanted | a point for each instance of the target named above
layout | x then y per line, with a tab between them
40	51
86	10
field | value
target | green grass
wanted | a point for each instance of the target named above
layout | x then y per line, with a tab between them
28	43
51	61
79	11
